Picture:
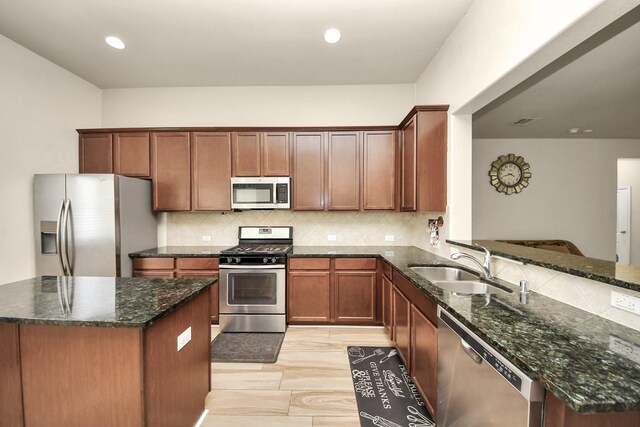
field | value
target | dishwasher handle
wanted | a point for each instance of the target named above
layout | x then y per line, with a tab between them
470	352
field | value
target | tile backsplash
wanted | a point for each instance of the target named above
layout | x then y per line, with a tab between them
408	229
310	228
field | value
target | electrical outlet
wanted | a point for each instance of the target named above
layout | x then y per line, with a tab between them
184	338
332	237
625	302
389	238
206	238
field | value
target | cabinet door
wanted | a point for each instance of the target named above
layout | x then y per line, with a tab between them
408	175
96	153
171	171
424	356
308	171
246	154
401	325
432	161
131	154
379	171
343	171
387	309
355	297
309	297
275	154
211	173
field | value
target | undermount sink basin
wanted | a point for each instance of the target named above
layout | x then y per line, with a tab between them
448	274
456	280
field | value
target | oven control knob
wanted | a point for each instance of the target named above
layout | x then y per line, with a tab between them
265	260
273	260
229	260
237	260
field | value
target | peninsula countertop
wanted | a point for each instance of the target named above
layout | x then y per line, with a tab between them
114	302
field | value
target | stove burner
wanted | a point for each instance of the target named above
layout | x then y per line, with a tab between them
257	250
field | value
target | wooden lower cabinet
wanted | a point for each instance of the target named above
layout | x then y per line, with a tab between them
424	357
332	291
182	267
11	381
386	287
557	414
309	297
402	325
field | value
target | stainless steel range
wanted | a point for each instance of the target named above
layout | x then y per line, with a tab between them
253	280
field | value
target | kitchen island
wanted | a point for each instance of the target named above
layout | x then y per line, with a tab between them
80	351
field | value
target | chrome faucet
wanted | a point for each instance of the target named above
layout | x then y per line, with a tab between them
485	266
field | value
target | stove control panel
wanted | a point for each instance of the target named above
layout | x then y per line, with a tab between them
248	261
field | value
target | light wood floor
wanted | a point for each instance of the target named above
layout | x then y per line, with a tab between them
309	385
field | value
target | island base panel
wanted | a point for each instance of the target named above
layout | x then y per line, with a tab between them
10	386
77	376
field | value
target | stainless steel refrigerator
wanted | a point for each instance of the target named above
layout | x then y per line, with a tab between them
86	225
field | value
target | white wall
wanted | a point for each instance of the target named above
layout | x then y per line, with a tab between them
571	194
40	108
496	45
629	174
258	106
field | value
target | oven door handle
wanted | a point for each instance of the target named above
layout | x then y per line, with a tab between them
252	267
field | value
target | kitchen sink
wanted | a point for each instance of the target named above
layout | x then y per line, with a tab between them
448	274
457	280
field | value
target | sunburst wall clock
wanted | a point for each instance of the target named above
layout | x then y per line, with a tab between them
509	174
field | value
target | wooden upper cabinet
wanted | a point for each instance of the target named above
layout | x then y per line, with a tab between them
408	167
260	154
432	161
96	153
275	154
379	170
343	171
171	171
211	171
424	162
246	154
308	171
131	154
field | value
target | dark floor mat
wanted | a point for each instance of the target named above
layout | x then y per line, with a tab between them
385	393
246	347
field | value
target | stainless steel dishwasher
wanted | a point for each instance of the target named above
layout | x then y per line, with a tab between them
477	387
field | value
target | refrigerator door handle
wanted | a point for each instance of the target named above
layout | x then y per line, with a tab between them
65	240
59	238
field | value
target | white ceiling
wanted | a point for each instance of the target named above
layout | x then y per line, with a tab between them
234	42
596	86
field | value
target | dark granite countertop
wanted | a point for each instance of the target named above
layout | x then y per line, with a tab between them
612	273
590	363
95	301
581	358
180	252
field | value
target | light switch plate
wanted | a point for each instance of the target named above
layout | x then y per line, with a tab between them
206	238
332	237
389	238
184	338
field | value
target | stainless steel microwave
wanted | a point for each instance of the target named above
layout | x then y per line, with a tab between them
260	193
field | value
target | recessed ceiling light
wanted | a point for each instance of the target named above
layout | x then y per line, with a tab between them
587	130
114	42
574	130
332	35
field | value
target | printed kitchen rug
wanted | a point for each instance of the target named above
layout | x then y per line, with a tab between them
246	347
385	393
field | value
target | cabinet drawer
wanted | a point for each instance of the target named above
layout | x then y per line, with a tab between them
355	264
309	263
386	269
197	273
197	263
153	263
153	273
